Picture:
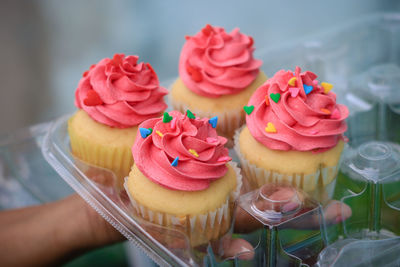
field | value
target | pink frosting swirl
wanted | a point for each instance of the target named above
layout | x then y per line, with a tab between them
215	63
201	154
120	92
302	121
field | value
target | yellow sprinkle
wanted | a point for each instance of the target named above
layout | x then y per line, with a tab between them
270	128
193	152
159	133
292	81
327	87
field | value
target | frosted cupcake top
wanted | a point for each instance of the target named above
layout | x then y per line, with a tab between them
215	63
120	92
293	111
180	151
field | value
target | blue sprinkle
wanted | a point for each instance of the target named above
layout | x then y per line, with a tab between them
213	121
294	74
307	88
144	132
175	162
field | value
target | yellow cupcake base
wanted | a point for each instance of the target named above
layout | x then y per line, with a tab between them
303	169
202	215
101	145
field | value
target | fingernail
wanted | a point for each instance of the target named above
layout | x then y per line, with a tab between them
290	206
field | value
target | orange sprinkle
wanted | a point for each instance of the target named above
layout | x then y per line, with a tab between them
267	100
326	111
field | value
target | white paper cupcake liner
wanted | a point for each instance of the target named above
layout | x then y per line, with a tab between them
317	184
199	228
228	121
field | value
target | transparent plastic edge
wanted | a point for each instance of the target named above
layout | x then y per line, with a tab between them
51	154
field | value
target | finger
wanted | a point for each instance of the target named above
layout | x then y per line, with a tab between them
336	212
244	222
239	248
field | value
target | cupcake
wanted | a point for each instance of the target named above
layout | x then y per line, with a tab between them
181	177
217	76
113	97
294	133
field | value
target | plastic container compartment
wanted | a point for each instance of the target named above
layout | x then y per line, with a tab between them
369	183
290	229
379	86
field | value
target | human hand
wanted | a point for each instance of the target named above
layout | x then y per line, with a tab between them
52	233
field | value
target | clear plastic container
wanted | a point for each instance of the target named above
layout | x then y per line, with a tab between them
26	177
291	228
298	220
369	183
353	252
361	59
380	87
295	231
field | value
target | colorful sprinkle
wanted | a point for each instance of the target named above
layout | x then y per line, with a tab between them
307	88
314	132
173	123
193	152
326	111
167	118
294	91
175	162
248	109
270	128
335	114
190	114
292	81
144	132
92	98
213	121
211	140
224	158
327	87
159	133
275	97
266	100
315	82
